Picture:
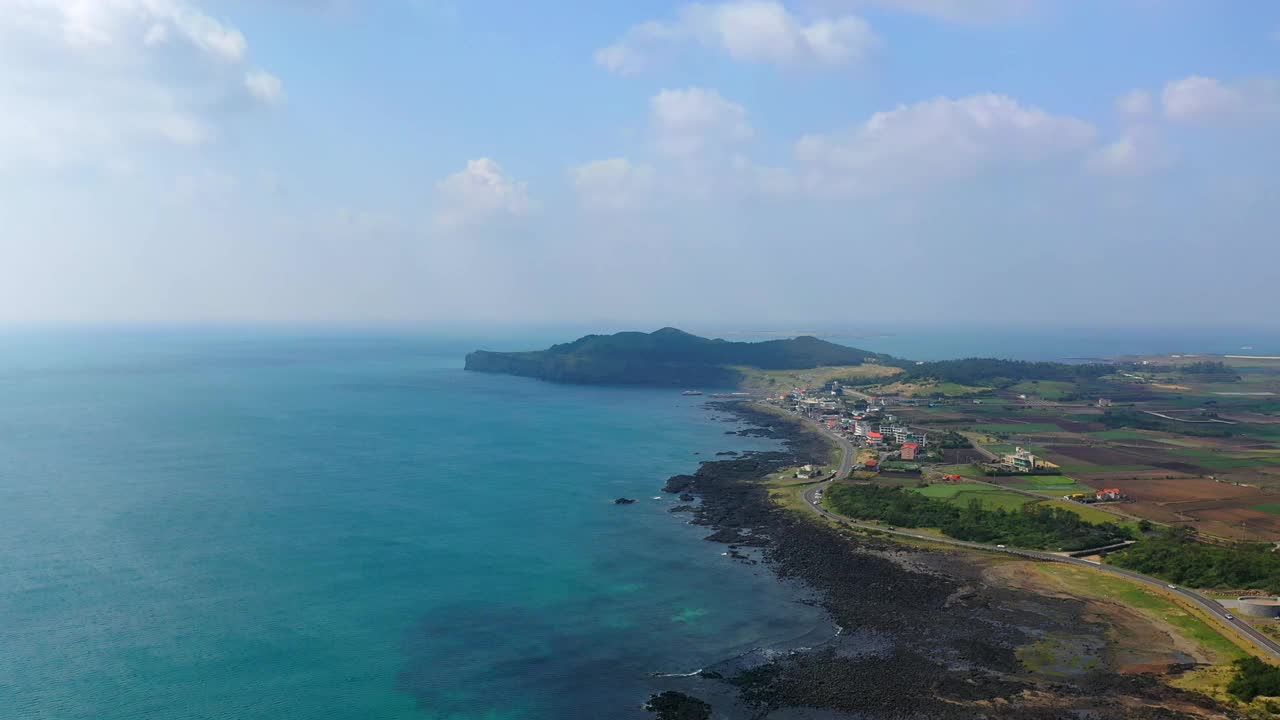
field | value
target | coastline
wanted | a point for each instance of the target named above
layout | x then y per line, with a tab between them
922	632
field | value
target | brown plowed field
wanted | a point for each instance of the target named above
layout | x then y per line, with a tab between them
1212	507
1106	455
1183	490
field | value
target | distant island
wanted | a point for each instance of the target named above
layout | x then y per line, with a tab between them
668	358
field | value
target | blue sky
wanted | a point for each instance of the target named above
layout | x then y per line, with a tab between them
749	162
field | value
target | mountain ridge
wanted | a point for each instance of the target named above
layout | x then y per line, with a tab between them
666	357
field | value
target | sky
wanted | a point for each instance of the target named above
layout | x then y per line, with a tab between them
762	163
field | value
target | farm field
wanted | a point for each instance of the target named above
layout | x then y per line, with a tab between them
1046	389
1016	428
1215	508
1221	479
784	380
1045	484
927	389
1089	513
960	494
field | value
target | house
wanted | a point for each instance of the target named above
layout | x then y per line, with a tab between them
875	438
871	464
1110	495
806	472
898	433
1021	461
909	450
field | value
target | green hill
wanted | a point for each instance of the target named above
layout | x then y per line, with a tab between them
667	357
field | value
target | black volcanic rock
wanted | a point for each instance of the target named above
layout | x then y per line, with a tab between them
672	705
678	484
624	501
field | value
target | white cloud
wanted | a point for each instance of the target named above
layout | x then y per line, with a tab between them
761	31
1206	100
935	141
613	184
91	82
264	86
1135	103
478	193
1139	151
689	121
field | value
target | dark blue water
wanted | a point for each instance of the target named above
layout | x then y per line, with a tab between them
223	525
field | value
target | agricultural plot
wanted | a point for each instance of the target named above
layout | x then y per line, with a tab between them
1226	461
1045	389
1088	513
1016	428
1122	435
1045	484
1215	508
960	494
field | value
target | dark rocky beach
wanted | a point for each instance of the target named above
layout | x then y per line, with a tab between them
923	634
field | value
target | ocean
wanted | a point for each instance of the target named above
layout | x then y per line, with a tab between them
244	524
252	525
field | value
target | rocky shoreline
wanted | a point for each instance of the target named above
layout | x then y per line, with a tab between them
923	634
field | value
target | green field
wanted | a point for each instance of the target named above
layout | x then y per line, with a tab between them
1047	389
1089	514
1017	428
1103	468
1273	508
1188	624
1049	484
1122	435
1224	461
967	470
893	479
959	494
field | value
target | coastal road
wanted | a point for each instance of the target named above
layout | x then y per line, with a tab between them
1262	642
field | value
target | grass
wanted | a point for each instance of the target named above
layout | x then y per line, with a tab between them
897	480
960	494
1089	514
1017	428
966	470
928	389
1271	508
1122	435
779	380
1085	468
1048	484
1046	389
1058	655
1189	622
1224	461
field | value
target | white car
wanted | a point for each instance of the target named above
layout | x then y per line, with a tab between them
1173	587
1000	546
1229	616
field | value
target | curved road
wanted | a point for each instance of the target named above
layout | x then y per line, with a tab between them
1262	642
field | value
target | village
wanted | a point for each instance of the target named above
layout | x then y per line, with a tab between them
887	444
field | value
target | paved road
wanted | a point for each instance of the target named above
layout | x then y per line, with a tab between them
1262	642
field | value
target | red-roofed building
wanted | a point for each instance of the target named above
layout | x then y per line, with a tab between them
871	464
875	438
909	450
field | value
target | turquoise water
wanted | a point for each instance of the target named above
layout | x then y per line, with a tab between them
226	525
